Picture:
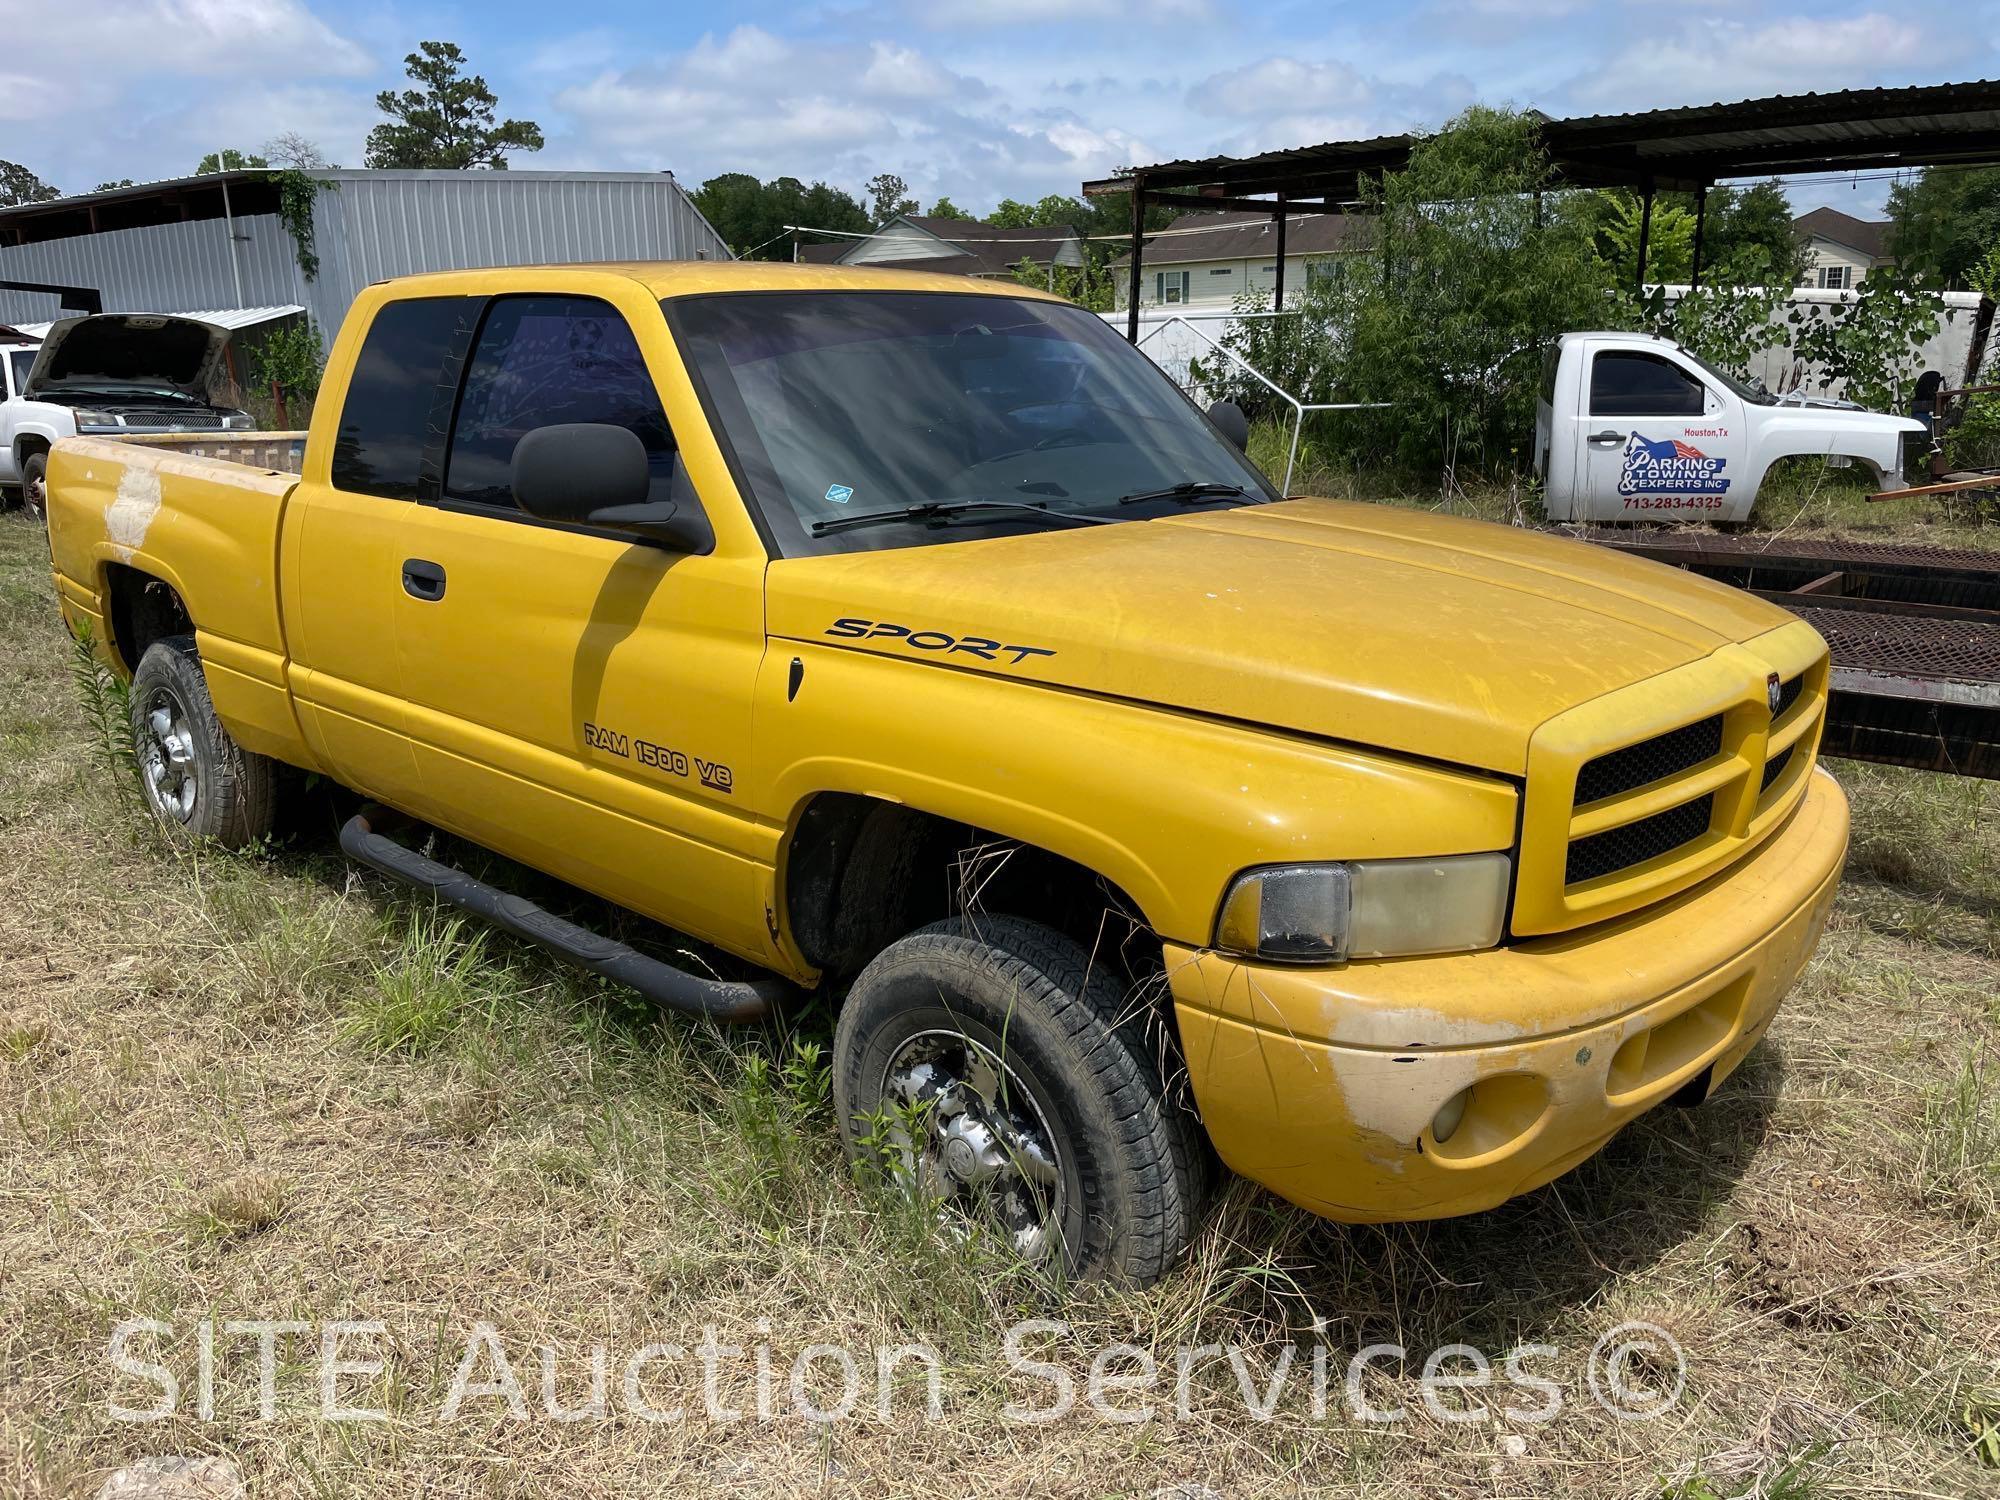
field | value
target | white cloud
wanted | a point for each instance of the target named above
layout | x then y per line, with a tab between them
1281	85
198	38
946	13
752	101
904	73
1715	59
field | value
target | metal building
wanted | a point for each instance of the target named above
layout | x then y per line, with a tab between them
218	241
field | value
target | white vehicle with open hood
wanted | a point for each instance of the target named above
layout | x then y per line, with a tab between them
1631	427
108	375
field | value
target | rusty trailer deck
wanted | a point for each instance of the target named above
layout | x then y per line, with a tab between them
1914	631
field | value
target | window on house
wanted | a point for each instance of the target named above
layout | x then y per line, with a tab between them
541	361
1836	278
1218	270
387	422
1170	286
1330	270
1642	385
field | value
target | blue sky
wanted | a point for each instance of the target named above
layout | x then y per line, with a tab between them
975	99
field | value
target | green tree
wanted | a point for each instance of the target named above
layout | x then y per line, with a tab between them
448	121
105	187
751	215
1748	239
1944	222
229	159
19	185
1669	239
1470	264
888	196
944	208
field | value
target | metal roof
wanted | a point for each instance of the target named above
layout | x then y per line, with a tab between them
232	318
1682	148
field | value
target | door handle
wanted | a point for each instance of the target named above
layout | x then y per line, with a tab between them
1605	439
423	580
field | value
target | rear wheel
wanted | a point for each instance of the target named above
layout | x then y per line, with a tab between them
994	1066
35	485
197	780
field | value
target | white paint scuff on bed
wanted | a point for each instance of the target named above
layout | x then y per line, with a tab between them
132	511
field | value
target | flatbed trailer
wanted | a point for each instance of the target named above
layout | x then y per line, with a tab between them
1915	634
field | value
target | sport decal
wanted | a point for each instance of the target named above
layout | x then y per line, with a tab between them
1670	467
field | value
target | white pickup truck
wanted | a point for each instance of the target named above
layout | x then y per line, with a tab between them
107	375
1631	427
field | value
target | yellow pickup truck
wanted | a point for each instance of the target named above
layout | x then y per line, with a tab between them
917	640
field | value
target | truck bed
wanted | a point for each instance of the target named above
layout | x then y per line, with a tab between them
206	527
273	452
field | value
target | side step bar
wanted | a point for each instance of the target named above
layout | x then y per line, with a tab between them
714	999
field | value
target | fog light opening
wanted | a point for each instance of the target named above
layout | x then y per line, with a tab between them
1445	1123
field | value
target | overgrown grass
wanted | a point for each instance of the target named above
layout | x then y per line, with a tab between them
265	1086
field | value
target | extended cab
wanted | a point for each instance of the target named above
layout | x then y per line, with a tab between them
1630	427
112	374
919	642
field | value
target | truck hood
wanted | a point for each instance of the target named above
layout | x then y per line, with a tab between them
1401	630
128	353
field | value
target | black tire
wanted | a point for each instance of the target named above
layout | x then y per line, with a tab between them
199	782
1132	1163
34	485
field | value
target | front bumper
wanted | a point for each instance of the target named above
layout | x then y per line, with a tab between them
1322	1083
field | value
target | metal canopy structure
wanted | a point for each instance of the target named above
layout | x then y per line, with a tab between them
1674	150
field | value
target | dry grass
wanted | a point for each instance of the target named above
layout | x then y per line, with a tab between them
266	1087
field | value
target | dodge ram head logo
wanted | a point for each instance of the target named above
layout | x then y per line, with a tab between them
1773	693
937	642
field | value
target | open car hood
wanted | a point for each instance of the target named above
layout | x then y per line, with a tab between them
117	352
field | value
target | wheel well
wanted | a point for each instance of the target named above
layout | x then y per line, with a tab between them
141	609
26	446
863	872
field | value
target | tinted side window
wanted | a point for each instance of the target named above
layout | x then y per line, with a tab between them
390	416
540	361
1642	385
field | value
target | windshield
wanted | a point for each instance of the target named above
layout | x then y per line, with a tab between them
23	360
838	404
1754	393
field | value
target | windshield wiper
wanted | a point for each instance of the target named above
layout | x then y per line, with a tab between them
940	512
1187	492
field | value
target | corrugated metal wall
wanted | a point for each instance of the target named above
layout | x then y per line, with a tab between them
160	268
371	226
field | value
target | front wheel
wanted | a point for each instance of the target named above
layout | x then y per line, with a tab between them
997	1068
197	780
35	485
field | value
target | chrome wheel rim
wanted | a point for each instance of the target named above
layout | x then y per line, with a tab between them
971	1138
36	493
166	756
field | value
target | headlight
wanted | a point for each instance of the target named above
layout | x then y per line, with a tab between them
240	422
95	418
1366	908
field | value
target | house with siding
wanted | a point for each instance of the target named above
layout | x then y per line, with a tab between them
1208	260
1841	249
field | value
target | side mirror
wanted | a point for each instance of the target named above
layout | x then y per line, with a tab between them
1231	423
565	472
